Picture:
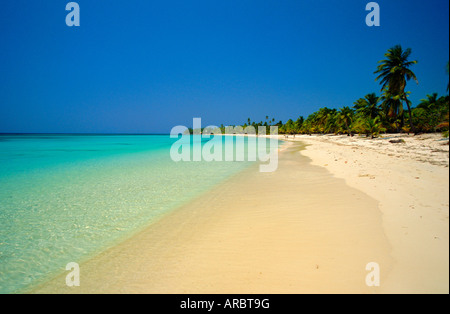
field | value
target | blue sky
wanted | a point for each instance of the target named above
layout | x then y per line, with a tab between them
142	66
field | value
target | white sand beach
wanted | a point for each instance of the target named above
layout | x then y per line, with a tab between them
411	183
310	227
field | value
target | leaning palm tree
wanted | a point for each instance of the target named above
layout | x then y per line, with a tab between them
394	73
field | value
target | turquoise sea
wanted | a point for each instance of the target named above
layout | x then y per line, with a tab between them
64	198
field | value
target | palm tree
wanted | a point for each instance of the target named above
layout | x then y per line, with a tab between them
368	106
430	103
299	123
345	117
394	73
321	118
373	127
431	106
331	124
290	127
392	108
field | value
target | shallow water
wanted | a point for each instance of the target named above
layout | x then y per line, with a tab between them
64	198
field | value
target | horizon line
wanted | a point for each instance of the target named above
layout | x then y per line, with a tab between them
66	133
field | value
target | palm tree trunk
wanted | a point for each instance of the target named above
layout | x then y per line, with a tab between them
410	116
402	124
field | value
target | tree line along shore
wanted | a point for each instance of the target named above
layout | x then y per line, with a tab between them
391	111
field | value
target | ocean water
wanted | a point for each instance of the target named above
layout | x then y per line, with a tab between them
64	198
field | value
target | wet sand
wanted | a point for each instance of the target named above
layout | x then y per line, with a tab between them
296	230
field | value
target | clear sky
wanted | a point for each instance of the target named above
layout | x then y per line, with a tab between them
143	66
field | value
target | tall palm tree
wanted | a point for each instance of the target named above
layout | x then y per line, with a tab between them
394	73
392	108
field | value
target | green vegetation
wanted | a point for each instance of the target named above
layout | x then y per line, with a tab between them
372	114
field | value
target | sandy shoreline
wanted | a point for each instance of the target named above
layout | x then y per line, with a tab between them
310	227
411	182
